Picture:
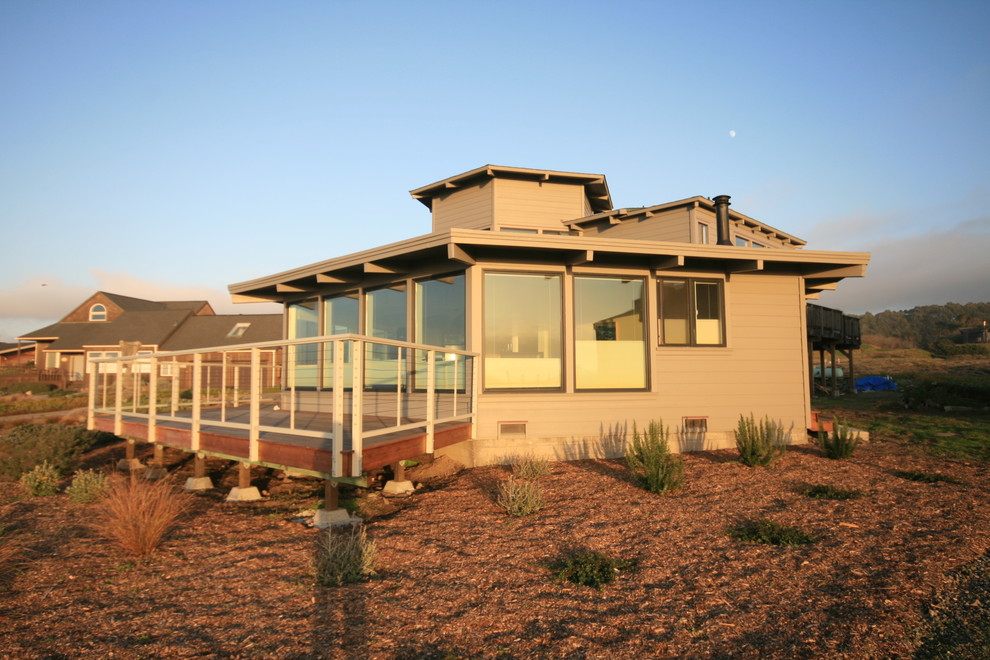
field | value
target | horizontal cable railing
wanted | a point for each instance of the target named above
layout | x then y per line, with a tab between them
333	393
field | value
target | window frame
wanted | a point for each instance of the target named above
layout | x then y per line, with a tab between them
691	284
98	313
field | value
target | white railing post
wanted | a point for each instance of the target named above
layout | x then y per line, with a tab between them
457	357
255	403
197	385
475	387
293	355
223	386
152	398
118	417
175	386
431	398
357	407
338	408
399	379
91	413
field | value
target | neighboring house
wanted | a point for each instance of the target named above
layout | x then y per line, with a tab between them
108	324
587	318
16	355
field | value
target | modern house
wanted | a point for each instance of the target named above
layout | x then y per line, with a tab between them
534	318
109	325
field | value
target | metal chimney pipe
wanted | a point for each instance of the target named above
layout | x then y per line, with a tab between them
722	220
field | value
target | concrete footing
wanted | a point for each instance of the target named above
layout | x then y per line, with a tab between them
333	517
128	464
398	488
199	483
155	472
249	494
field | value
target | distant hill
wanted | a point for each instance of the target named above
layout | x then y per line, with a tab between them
930	326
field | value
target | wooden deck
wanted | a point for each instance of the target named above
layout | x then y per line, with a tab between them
310	455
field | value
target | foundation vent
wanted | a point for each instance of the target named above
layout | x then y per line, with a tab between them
695	424
512	430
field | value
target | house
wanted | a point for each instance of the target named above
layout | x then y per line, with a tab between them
586	318
109	325
16	355
534	319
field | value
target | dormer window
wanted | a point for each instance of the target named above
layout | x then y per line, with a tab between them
238	330
98	313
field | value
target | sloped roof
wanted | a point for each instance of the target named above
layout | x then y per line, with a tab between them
147	327
206	331
7	347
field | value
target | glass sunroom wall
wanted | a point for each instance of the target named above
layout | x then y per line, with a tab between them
385	318
341	316
610	337
522	331
441	321
304	321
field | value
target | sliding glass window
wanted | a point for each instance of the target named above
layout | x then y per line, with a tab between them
304	321
522	331
691	312
440	321
609	333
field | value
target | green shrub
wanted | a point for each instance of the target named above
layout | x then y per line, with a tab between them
59	444
345	555
771	533
137	514
927	477
650	460
87	486
519	498
41	480
760	443
531	467
841	445
588	568
827	492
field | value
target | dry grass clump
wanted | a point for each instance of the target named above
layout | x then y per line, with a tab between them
345	555
137	514
531	467
519	498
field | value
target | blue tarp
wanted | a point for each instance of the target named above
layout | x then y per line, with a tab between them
875	383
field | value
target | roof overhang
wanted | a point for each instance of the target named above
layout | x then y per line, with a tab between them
595	186
457	248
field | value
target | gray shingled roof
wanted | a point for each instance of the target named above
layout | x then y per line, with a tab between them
149	328
203	331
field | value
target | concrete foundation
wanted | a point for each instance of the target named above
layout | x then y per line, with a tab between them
155	472
398	489
333	517
249	494
199	483
128	464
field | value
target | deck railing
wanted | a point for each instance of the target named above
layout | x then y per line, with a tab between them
338	392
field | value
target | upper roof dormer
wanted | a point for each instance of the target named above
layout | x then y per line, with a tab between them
499	198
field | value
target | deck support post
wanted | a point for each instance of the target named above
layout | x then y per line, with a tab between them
157	468
835	378
398	486
130	461
244	492
199	480
331	514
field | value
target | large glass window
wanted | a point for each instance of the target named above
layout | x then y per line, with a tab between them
303	322
385	318
691	312
610	341
522	331
440	321
341	316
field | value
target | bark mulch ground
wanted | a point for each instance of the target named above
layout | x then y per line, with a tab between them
459	578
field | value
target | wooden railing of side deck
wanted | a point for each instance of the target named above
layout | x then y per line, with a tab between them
337	394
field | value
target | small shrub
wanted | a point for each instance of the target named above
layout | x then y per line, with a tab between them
650	460
40	481
345	556
25	446
841	445
531	467
927	477
760	443
827	492
519	498
588	568
771	533
137	514
87	486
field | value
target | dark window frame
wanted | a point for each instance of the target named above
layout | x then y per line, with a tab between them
691	283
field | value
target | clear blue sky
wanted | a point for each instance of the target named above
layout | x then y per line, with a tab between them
167	149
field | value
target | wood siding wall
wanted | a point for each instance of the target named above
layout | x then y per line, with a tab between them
536	204
468	208
673	225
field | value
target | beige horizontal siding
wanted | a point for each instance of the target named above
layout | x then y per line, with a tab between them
468	208
536	204
673	225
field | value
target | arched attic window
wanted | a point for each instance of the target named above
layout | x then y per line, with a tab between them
98	313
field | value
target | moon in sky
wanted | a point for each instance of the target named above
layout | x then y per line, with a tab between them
732	134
